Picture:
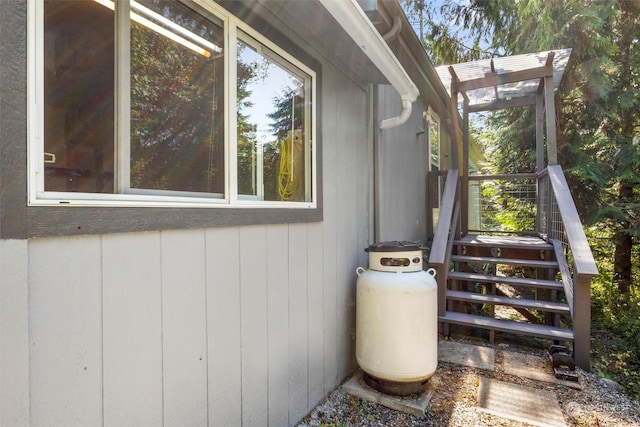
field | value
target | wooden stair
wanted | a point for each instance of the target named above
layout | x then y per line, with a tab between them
514	253
521	328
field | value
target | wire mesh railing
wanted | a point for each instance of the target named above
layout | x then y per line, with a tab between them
550	222
502	203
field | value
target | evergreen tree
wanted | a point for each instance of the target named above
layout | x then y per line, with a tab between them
599	128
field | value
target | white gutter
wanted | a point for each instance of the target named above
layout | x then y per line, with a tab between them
356	23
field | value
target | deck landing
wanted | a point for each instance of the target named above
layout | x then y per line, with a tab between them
501	241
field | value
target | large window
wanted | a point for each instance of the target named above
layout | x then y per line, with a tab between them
165	103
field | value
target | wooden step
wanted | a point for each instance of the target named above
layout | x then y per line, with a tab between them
518	281
511	326
548	306
516	242
506	261
512	246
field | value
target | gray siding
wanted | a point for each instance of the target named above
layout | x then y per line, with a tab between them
232	325
401	172
247	325
14	333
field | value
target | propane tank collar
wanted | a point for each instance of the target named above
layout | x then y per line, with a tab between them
394	246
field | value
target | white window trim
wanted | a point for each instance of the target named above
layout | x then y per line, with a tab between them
153	198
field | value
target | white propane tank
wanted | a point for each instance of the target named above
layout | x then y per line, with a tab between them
396	319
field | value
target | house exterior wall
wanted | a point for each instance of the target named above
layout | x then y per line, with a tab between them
223	326
401	173
227	325
402	199
233	325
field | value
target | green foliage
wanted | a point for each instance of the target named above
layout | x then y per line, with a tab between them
615	319
598	138
174	144
443	31
507	206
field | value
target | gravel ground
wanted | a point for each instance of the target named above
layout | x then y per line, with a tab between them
454	403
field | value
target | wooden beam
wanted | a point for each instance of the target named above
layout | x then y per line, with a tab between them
503	104
493	79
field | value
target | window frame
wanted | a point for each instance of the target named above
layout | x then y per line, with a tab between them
232	27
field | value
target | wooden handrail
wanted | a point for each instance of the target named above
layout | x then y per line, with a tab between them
511	177
577	287
584	264
441	235
445	233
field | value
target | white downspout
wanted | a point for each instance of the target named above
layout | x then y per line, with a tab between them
356	23
399	119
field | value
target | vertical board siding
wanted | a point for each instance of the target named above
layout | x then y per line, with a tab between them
329	227
14	333
184	333
236	326
253	320
351	211
223	327
278	324
315	315
65	323
298	369
403	162
132	330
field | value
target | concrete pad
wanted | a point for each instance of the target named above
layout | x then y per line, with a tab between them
533	367
520	403
474	356
414	405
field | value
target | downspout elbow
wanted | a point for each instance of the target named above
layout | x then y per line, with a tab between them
401	118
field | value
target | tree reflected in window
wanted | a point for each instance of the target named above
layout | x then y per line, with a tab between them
273	146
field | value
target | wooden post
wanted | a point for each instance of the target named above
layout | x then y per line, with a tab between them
453	112
550	108
582	322
464	185
539	133
552	147
539	158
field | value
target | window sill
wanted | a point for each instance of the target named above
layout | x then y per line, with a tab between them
46	221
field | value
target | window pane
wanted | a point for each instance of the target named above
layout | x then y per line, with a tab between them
273	125
177	103
434	143
78	96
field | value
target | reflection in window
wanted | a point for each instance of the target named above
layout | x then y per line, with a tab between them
436	186
176	68
147	117
273	127
177	116
78	97
434	140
